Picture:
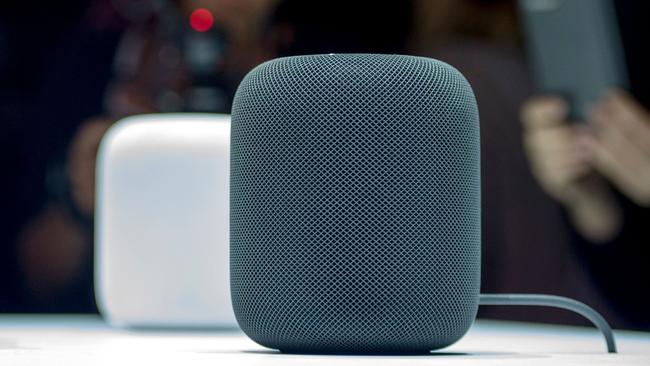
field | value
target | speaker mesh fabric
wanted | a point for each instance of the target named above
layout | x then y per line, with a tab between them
355	204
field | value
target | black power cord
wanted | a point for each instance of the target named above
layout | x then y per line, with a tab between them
555	302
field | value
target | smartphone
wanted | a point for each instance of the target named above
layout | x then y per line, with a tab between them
575	48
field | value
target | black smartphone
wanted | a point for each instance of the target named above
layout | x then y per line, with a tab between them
576	49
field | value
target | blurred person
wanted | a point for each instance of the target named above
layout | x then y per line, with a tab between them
481	39
153	74
598	170
478	37
150	70
584	166
36	125
141	66
526	246
144	68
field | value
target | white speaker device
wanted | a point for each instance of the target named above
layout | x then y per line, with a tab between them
162	222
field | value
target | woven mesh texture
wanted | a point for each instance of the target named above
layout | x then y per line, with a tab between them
355	204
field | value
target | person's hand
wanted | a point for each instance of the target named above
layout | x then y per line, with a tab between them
52	252
562	161
558	151
621	147
82	156
53	246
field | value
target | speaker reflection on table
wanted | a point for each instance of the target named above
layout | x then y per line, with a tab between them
355	204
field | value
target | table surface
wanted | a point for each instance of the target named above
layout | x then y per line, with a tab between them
87	340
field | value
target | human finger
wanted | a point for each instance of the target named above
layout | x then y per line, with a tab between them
543	111
624	167
619	111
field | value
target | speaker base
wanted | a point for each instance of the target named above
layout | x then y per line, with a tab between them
339	353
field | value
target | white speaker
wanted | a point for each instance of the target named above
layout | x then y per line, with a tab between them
162	222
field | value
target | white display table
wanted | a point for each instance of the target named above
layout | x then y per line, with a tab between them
87	340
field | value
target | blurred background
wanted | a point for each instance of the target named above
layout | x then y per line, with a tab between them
566	197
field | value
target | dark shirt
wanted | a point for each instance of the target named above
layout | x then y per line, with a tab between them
621	267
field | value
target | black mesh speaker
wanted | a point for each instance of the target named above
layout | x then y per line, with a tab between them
355	204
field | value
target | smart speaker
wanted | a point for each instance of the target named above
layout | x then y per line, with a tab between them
355	204
162	222
355	207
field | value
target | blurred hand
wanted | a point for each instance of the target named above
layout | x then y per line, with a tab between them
562	161
82	156
53	246
52	252
558	151
621	147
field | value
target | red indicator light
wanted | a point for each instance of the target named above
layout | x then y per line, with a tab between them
201	20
